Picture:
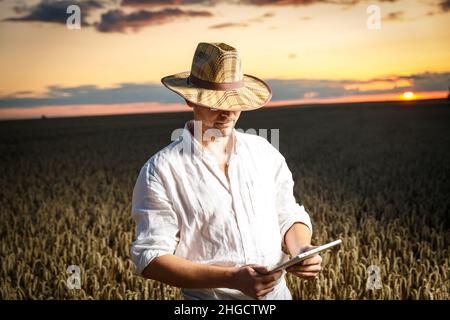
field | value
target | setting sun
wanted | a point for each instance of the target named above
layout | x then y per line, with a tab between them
408	95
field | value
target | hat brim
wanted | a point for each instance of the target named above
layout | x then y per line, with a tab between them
253	95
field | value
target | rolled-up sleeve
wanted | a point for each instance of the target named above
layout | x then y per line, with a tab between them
157	224
289	211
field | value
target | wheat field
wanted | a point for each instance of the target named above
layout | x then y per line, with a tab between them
375	175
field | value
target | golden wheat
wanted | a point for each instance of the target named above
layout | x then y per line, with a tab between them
380	187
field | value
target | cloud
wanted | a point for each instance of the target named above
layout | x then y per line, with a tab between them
423	82
243	2
119	21
160	3
262	17
242	24
282	90
54	11
90	94
282	2
303	2
268	15
228	25
395	16
439	7
156	3
116	20
444	5
430	81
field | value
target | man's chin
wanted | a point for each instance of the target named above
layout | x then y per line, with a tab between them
226	131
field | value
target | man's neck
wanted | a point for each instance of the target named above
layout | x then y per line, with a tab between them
217	145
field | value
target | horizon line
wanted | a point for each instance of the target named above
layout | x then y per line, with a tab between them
180	108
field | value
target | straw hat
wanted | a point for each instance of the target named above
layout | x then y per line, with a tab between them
216	81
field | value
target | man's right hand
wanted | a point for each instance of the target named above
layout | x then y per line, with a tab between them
254	280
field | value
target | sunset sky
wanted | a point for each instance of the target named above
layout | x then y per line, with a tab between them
308	51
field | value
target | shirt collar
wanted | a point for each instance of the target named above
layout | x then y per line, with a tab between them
188	137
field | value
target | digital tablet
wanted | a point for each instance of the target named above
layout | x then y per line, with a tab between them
303	256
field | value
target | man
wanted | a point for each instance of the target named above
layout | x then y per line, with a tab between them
215	208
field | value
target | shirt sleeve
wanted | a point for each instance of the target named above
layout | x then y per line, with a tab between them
289	211
157	224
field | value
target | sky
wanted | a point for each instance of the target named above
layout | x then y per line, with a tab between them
308	51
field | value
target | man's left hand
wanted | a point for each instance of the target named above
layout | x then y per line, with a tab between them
309	268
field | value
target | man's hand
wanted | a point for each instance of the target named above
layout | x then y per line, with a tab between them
254	281
309	268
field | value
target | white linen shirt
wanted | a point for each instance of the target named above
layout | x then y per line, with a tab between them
183	205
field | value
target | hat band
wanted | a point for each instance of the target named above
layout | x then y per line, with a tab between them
215	85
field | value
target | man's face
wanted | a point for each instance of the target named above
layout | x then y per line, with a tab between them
217	119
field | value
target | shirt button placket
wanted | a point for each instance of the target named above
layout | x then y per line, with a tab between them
241	223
